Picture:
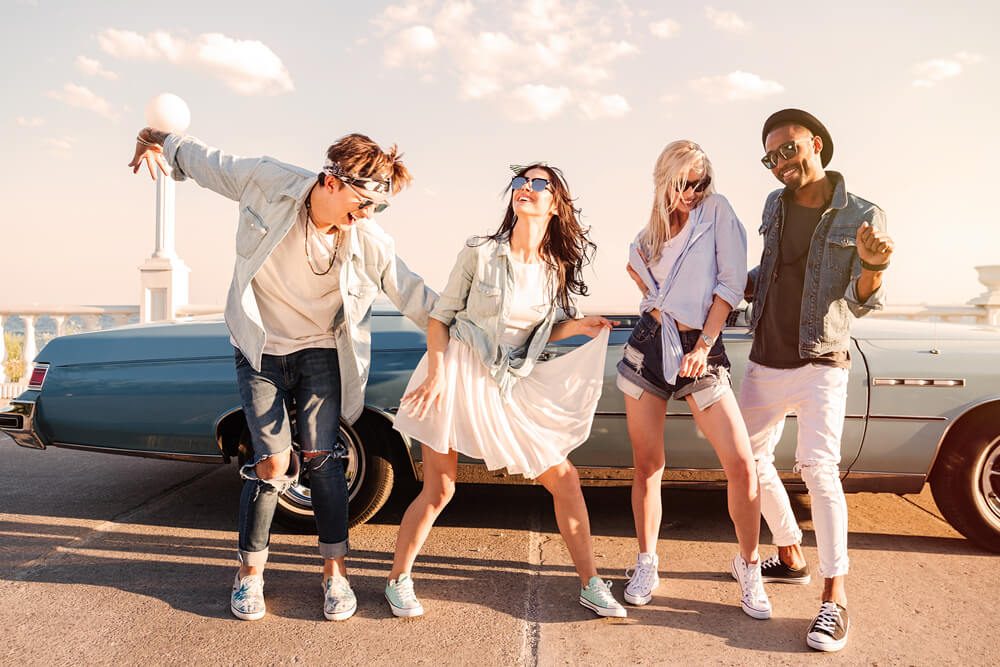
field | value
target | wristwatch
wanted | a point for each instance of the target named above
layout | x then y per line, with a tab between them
708	340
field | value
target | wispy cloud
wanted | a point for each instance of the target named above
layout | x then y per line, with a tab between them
605	106
727	21
931	72
92	67
736	87
64	144
532	58
82	97
665	29
33	121
247	67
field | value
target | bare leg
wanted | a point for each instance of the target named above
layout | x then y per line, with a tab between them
563	483
440	471
723	425
645	417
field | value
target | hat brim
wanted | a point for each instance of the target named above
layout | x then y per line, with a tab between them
806	120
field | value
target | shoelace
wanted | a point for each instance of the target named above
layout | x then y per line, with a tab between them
603	592
753	590
642	576
827	619
773	561
405	591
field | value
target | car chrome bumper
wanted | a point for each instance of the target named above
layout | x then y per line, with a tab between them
17	420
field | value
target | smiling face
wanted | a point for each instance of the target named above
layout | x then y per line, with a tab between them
528	203
689	197
338	204
802	168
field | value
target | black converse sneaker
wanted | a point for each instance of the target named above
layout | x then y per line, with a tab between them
773	570
828	631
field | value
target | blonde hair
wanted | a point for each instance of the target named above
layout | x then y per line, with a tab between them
669	175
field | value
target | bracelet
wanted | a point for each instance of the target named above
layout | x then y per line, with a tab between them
874	267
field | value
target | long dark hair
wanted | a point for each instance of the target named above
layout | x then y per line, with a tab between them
566	248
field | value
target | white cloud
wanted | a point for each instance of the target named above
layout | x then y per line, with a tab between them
605	106
92	67
411	46
530	102
735	87
83	98
665	29
64	144
395	15
931	72
34	121
727	21
248	67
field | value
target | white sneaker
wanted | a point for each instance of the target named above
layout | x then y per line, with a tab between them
247	599
643	580
753	600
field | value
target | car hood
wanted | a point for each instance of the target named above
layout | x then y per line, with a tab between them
875	329
202	337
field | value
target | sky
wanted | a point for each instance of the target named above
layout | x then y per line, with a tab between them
908	90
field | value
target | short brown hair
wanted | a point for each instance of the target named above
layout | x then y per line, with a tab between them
358	155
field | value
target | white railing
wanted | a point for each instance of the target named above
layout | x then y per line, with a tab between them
68	319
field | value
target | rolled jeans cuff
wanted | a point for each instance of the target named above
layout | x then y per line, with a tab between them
252	558
335	550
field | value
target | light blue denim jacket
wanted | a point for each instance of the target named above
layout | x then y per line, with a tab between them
829	295
270	195
476	304
712	263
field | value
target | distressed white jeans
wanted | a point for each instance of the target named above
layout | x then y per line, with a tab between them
817	395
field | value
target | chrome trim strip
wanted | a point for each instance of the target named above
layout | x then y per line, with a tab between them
916	418
26	436
688	414
883	482
171	456
918	382
477	473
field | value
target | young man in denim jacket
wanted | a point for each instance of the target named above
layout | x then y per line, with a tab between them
825	251
309	264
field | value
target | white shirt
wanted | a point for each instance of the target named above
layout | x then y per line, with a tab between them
297	306
529	303
669	253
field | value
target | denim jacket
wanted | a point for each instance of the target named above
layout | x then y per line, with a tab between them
832	269
476	303
712	263
270	196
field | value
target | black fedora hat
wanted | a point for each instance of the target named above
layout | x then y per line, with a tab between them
806	120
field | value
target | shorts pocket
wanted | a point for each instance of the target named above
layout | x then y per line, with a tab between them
643	331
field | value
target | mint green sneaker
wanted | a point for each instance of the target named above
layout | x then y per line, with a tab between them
339	601
402	600
597	597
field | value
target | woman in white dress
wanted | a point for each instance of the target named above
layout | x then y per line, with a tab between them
480	389
690	262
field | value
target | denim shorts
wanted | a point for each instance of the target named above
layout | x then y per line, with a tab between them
641	367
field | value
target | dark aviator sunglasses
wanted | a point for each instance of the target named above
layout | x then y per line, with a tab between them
785	151
537	184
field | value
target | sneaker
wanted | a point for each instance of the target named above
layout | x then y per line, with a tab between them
597	597
643	580
402	600
753	599
247	600
773	570
339	601
828	631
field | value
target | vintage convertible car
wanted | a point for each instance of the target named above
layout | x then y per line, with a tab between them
923	406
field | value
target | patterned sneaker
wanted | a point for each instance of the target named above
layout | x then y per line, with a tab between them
597	597
247	599
643	580
339	601
776	572
753	599
828	631
402	600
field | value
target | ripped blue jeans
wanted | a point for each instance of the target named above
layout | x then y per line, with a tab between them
309	380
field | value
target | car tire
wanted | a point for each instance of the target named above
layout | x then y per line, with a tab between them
966	482
368	470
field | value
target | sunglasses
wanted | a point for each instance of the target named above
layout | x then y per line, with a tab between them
785	151
365	202
537	184
699	186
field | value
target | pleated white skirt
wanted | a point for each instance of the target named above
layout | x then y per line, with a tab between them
548	414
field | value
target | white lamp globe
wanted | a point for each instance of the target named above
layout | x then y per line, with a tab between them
168	113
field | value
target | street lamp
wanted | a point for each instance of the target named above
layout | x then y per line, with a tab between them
164	275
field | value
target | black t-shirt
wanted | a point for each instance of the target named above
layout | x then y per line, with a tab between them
776	339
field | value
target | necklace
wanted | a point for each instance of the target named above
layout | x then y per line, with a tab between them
332	249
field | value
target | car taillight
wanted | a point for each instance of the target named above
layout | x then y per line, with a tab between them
38	374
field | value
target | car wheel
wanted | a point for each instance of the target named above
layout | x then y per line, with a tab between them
966	483
369	476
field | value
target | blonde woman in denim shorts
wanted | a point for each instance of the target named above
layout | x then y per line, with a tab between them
690	264
482	390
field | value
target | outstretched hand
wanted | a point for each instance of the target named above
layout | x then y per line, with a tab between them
149	152
593	325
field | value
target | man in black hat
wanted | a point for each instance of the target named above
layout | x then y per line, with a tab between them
825	251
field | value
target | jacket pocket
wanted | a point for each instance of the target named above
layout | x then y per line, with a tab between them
484	300
252	230
360	296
